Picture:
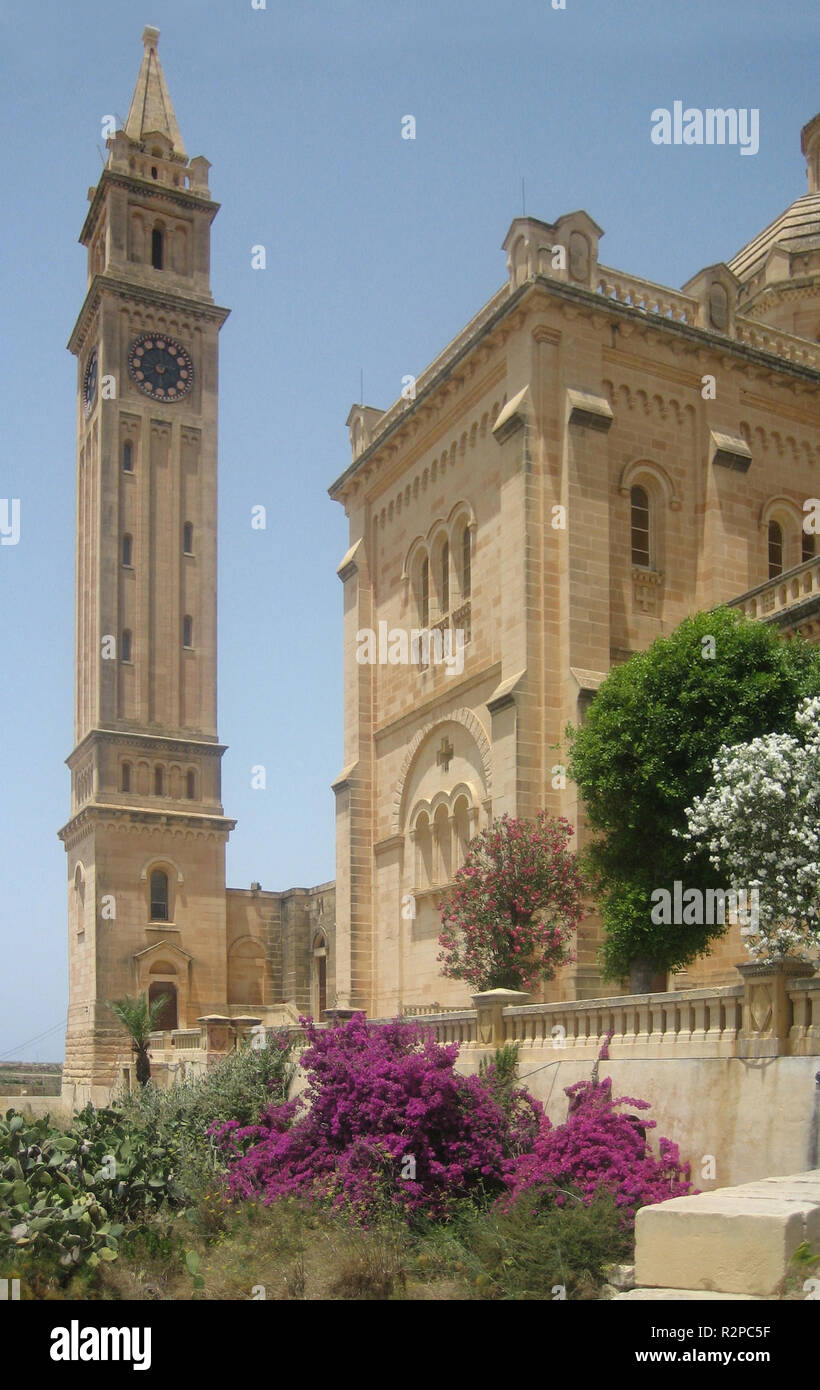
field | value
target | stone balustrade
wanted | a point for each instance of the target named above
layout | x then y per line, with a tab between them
783	592
682	1023
766	339
646	296
771	1012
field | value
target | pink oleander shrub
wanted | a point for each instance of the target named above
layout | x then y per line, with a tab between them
514	905
385	1117
598	1148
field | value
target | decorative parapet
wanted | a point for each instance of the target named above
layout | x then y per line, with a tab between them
798	586
698	1023
774	1012
804	1035
646	296
490	1008
765	339
768	1007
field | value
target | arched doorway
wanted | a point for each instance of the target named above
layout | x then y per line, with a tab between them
168	1016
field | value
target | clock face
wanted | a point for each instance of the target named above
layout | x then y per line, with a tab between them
90	382
160	367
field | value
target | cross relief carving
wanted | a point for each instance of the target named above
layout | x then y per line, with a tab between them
445	754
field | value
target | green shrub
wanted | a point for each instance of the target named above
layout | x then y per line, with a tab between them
241	1086
66	1196
525	1253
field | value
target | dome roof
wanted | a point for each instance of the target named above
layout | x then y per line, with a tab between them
797	229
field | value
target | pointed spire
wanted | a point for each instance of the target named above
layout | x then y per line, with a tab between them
151	109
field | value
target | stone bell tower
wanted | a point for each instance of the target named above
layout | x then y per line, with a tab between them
146	836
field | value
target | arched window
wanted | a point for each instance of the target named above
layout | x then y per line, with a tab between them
157	248
79	887
424	593
775	549
424	852
128	457
127	550
190	785
125	644
639	502
159	895
125	777
443	871
461	823
159	782
466	564
445	577
188	538
807	547
187	631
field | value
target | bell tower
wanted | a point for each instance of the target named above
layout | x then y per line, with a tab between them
146	836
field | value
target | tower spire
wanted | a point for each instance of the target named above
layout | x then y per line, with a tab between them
152	112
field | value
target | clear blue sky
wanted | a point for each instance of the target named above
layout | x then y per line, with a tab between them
378	251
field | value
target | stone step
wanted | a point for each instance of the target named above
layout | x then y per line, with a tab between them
735	1240
683	1295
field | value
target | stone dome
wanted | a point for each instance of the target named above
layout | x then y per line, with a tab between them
779	269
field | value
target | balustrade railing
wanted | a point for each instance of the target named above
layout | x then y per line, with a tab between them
782	592
646	296
684	1023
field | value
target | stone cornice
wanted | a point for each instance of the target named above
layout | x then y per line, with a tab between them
181	197
165	743
126	817
589	301
190	305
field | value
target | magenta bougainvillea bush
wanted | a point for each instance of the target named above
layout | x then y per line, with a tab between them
386	1118
514	905
385	1114
599	1147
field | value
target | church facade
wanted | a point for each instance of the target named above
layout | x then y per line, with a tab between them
590	460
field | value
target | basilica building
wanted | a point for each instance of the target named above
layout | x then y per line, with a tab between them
591	459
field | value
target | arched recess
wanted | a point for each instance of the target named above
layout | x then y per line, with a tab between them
319	975
783	512
152	887
440	585
421	836
652	476
472	724
246	972
161	969
650	493
162	985
418	549
79	896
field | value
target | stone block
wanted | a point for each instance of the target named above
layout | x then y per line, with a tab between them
736	1240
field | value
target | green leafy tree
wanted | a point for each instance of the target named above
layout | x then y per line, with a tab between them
644	754
139	1019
